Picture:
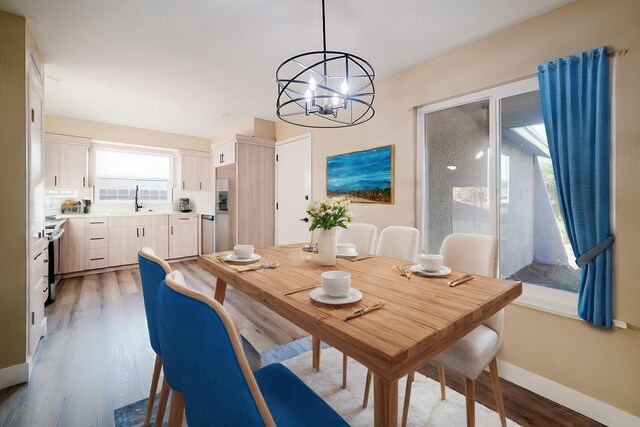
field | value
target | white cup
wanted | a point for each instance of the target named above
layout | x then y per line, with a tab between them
346	249
336	283
431	262
243	251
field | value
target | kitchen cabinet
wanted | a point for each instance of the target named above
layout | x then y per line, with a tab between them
66	161
72	253
224	154
37	295
193	171
96	243
183	235
129	234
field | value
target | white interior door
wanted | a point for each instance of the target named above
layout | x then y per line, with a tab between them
293	189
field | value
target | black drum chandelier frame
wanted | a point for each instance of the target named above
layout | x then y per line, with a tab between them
335	87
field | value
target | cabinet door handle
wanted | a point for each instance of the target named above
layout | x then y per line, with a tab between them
183	185
172	230
142	231
84	179
222	158
201	186
137	232
36	257
55	180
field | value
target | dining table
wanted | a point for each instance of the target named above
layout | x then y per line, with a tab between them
420	316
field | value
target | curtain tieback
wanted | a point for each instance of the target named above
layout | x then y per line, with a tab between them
588	256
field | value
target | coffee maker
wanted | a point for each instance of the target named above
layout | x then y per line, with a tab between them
183	204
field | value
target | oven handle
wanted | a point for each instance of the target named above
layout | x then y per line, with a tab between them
58	235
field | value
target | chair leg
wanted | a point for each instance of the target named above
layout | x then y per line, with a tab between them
154	388
407	398
471	402
497	391
176	411
344	370
315	352
162	403
367	387
443	382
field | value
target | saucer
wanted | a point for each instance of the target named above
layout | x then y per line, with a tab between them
319	295
419	271
234	258
347	255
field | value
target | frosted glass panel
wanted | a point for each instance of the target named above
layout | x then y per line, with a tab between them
534	247
457	172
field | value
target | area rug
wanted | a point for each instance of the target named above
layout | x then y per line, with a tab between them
426	407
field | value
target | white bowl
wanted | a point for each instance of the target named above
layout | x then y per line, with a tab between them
336	283
346	249
243	251
431	262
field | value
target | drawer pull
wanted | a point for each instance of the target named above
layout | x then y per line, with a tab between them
96	222
96	259
36	257
96	238
184	219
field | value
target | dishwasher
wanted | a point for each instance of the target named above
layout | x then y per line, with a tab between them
208	236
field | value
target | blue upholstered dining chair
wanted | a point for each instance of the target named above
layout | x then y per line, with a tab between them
209	375
152	273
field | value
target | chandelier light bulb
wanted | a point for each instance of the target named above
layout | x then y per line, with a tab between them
313	85
335	100
307	95
344	87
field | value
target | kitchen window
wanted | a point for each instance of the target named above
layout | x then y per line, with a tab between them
484	167
118	172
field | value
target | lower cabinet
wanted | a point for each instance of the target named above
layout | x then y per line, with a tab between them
156	237
183	235
125	242
72	254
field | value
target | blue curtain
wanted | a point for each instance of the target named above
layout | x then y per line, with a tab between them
575	105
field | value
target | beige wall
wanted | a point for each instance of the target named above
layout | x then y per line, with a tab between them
260	128
13	187
598	363
124	134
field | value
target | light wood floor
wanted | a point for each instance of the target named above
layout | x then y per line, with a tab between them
96	356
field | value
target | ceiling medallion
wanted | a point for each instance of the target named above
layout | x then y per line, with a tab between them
325	89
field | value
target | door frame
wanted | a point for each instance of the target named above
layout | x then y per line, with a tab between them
278	145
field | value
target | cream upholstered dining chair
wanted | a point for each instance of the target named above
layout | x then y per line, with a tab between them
400	243
474	254
362	235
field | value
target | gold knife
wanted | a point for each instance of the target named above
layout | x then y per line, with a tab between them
461	280
363	311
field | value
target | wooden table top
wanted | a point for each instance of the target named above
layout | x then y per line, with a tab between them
421	316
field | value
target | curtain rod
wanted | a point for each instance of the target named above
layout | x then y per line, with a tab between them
611	53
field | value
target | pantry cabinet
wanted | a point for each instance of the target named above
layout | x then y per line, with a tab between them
193	171
66	162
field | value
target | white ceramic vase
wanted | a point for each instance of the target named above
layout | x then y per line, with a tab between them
327	246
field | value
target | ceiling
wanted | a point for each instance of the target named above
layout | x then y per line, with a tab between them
199	66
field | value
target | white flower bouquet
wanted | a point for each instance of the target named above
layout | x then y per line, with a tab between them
333	212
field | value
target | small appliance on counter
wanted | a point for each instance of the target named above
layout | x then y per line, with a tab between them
87	205
71	206
183	205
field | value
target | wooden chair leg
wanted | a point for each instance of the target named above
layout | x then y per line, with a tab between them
154	388
367	387
443	382
497	391
344	370
315	352
176	411
407	398
471	402
162	403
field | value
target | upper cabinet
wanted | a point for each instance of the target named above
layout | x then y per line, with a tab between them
193	171
224	154
66	161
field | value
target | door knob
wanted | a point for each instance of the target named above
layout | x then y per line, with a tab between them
304	219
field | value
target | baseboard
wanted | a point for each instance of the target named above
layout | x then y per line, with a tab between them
16	374
117	268
572	399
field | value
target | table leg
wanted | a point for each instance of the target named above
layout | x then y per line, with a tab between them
315	352
385	398
221	288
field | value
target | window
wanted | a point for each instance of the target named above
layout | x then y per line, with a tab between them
118	172
484	167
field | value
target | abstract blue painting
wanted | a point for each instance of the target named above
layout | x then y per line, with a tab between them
365	176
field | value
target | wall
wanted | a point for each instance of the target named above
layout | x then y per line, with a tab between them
598	363
124	134
13	187
259	128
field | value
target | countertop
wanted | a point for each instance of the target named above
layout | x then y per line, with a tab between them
144	213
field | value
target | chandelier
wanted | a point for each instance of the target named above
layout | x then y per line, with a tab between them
325	89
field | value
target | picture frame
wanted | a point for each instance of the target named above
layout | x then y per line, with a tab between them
365	176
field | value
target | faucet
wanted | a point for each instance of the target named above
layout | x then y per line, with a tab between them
137	205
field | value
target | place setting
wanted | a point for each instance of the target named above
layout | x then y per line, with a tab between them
431	266
242	257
